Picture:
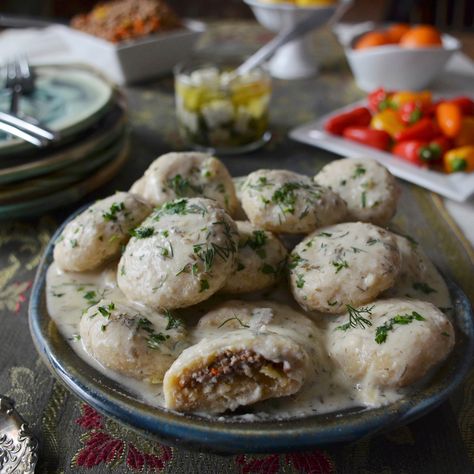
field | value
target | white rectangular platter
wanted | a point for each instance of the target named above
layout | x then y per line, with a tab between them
457	186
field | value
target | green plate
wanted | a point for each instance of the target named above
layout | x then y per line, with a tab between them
40	186
69	195
107	131
66	99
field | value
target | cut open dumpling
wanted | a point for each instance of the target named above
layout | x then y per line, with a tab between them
239	368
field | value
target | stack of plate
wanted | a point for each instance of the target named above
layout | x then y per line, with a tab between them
90	116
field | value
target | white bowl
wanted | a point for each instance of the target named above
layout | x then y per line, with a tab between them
137	60
295	59
394	67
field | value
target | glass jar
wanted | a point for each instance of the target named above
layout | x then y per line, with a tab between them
219	111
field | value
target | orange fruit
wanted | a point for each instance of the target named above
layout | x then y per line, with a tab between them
396	31
421	36
372	39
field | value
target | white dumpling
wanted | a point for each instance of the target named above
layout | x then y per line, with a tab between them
395	344
350	263
131	341
260	260
418	278
180	255
185	175
369	190
286	202
98	234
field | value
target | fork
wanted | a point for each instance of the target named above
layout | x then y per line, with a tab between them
21	80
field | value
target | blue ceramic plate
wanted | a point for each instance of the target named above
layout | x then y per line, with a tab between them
230	436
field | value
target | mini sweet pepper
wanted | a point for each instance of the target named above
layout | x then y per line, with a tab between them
459	159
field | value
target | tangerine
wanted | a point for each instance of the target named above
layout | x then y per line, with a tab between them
372	39
421	36
396	31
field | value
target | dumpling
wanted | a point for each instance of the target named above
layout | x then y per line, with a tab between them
395	344
348	263
184	175
260	260
286	202
235	369
181	255
97	234
419	278
370	191
135	342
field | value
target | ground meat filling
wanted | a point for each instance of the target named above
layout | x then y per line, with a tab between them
228	364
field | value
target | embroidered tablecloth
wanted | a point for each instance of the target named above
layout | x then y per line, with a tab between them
75	438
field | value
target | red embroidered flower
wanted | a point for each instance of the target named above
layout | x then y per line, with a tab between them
311	462
103	447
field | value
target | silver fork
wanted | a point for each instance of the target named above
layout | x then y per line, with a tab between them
21	81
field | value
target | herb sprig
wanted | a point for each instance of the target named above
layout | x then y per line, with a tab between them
381	332
357	318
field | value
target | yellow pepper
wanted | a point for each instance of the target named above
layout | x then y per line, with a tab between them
459	159
422	98
466	134
389	121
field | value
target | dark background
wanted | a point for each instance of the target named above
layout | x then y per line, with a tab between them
446	14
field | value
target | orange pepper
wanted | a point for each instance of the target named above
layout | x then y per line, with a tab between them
389	121
422	99
449	116
466	133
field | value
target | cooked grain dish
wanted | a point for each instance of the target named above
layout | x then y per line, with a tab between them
122	20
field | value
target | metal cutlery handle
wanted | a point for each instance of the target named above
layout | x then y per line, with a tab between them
28	126
28	137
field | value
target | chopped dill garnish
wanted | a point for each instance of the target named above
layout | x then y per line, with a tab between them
183	187
340	264
115	208
359	171
142	232
381	332
173	321
204	285
154	339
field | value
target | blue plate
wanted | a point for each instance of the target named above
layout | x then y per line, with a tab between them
230	436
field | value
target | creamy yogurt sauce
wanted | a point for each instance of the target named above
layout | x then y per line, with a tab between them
326	390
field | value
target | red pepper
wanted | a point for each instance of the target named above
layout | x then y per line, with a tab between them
466	104
379	100
425	130
410	112
443	142
418	152
359	117
379	139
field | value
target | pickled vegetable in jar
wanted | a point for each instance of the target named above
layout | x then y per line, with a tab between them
220	111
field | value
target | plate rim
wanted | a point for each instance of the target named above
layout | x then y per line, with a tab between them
19	146
313	134
234	437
